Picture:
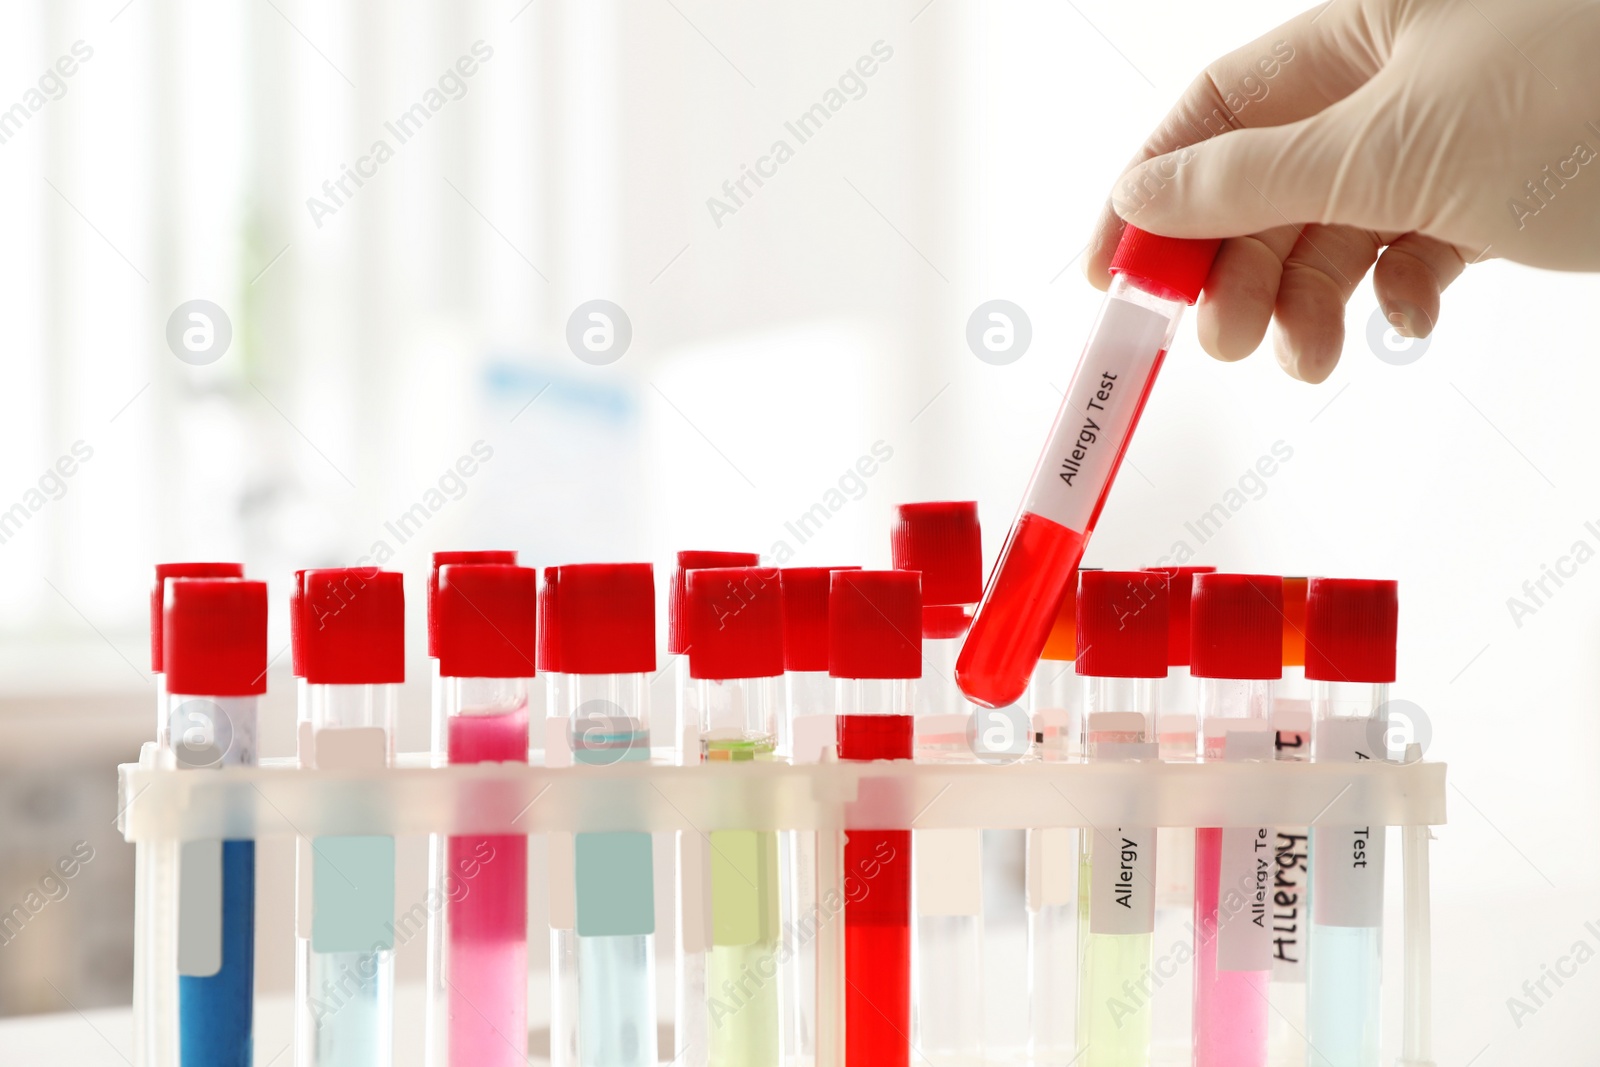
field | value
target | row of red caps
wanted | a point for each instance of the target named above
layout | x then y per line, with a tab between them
489	617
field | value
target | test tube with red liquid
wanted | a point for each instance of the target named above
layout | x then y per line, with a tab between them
875	656
1156	277
483	625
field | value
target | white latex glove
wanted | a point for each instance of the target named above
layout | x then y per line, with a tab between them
1437	132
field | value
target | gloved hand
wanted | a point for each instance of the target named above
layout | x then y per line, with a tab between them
1437	132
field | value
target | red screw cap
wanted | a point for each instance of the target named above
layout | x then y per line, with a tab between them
214	637
875	624
1180	592
942	540
545	656
805	616
353	622
606	618
1122	624
1173	268
487	620
442	559
689	560
1236	628
734	616
158	594
1352	627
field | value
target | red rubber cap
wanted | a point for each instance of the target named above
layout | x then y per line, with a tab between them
441	559
875	624
688	560
487	620
1180	592
353	626
1294	622
1352	627
606	618
1170	267
545	655
805	616
1122	624
158	593
214	637
734	618
940	539
1236	626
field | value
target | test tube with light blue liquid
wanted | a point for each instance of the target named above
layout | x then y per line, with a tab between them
213	655
607	652
351	630
1351	628
562	914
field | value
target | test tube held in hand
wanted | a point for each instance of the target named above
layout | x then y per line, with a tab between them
1156	278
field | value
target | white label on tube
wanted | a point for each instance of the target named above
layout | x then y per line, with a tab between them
1096	415
1347	872
557	742
563	882
694	905
1291	917
1122	859
949	871
200	908
351	748
1244	897
1052	866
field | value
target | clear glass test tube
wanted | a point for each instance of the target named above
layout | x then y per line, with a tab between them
1156	277
1351	629
214	661
1237	643
875	655
1291	886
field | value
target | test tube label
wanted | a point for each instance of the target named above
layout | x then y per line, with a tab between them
1244	897
352	894
949	870
1097	413
616	891
1122	880
1347	875
200	909
744	886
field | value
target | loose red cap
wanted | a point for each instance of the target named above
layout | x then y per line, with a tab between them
805	616
353	626
545	657
442	559
941	539
158	594
689	560
1352	627
606	618
1236	626
734	618
1122	624
1170	267
214	637
875	624
1180	593
1294	622
487	620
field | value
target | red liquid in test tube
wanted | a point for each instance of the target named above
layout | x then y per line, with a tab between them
1156	277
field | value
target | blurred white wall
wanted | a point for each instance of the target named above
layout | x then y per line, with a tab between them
425	313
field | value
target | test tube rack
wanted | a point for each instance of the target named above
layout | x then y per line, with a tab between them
162	808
